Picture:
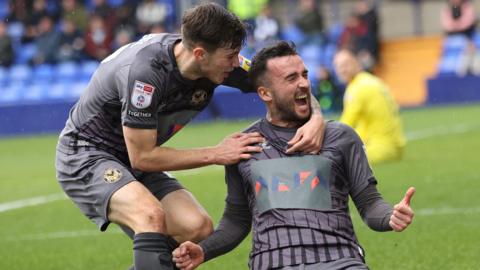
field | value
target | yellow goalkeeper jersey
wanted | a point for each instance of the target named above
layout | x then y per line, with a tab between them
371	110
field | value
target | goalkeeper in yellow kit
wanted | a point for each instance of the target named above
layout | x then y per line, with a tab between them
370	109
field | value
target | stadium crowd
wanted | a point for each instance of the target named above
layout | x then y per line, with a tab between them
38	32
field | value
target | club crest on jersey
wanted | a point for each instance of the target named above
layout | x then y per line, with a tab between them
198	97
142	95
112	175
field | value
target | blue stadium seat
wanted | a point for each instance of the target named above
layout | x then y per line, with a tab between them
311	52
24	53
67	72
293	33
77	89
11	94
19	74
35	92
454	43
15	30
449	64
58	91
334	32
43	73
3	76
87	68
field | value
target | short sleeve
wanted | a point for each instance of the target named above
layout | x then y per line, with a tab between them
238	78
235	189
359	173
142	97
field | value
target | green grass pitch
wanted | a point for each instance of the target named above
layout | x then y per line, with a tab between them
441	161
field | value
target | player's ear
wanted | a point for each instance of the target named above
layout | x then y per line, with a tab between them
264	93
199	53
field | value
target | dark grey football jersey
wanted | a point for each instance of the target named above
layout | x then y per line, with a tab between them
139	86
299	203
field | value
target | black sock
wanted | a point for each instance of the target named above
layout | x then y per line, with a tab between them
151	252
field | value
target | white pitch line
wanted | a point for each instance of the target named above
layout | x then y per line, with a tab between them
31	201
440	131
446	211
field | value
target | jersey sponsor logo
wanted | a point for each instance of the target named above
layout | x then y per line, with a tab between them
112	175
139	114
198	97
142	95
293	182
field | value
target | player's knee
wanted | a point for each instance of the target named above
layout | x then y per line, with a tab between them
197	228
150	219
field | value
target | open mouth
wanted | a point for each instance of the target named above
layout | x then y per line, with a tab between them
301	99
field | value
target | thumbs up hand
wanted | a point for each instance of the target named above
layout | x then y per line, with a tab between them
402	214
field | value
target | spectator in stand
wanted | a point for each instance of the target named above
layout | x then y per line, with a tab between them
74	11
17	11
150	13
267	28
98	40
355	38
458	18
125	16
35	14
72	43
123	36
367	13
6	49
102	9
47	42
310	21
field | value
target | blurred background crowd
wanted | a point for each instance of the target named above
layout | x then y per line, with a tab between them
53	41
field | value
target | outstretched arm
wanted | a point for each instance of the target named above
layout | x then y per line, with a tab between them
232	229
309	137
146	156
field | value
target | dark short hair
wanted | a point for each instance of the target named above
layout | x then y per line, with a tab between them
212	26
259	62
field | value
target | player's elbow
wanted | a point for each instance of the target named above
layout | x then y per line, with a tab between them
139	162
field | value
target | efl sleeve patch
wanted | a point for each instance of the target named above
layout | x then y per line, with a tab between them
142	95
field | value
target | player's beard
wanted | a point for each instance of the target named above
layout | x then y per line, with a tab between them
285	111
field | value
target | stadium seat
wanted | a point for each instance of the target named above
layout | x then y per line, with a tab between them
35	92
3	76
11	94
19	74
58	91
311	52
87	68
15	30
43	73
67	72
77	89
293	33
334	32
24	53
454	44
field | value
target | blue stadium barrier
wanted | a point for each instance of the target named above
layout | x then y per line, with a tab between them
453	89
